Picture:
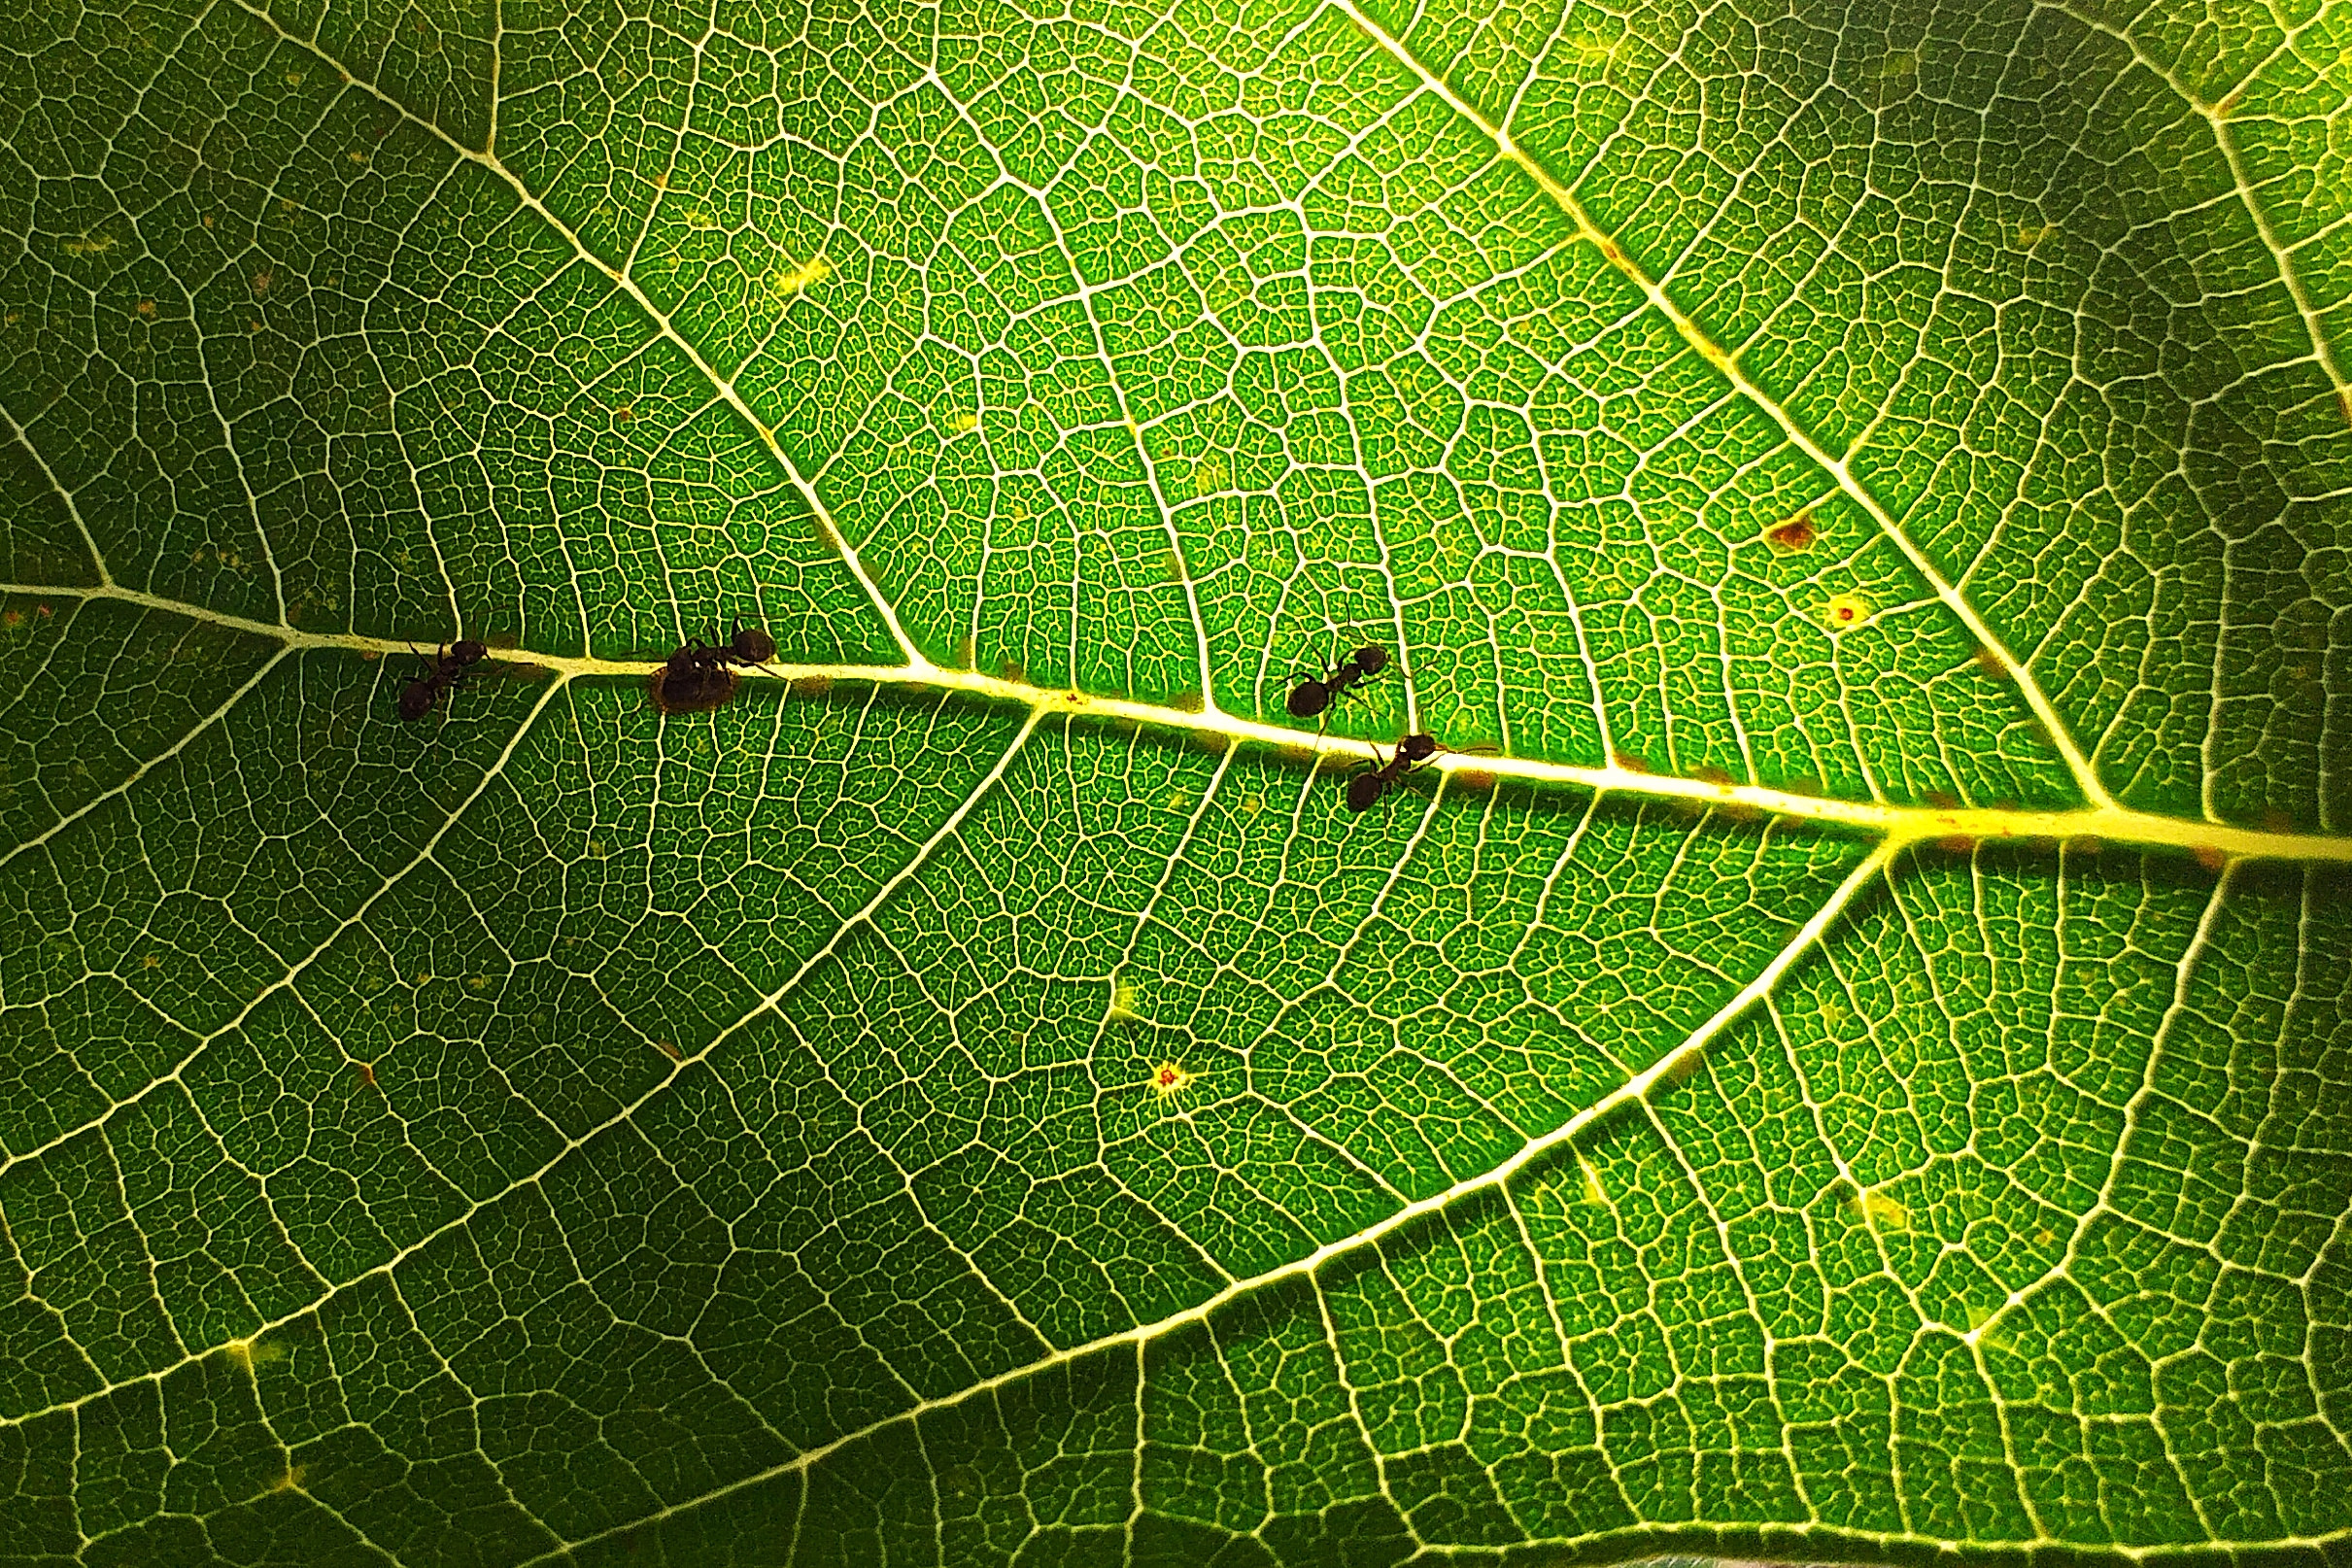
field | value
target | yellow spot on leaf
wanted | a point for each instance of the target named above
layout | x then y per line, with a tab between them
1881	1212
1122	999
290	1482
1845	612
90	246
1595	1194
1592	48
1169	1079
698	218
793	277
963	420
1211	475
254	1353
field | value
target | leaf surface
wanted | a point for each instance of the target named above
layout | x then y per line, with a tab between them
1844	1053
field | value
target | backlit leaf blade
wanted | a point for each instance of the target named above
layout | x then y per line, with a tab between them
980	1096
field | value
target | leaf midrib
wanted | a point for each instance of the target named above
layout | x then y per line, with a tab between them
1905	825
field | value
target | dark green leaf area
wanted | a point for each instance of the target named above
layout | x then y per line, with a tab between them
97	691
196	890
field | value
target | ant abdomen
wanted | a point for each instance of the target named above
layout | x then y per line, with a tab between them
1364	790
1313	693
695	678
753	646
450	666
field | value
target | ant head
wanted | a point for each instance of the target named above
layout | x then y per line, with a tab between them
1371	660
1417	748
468	650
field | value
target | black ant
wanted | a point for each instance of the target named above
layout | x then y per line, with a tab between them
695	678
1312	697
1365	789
451	666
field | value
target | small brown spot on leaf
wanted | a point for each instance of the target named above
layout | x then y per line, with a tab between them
1990	664
669	1050
1797	534
1706	773
1629	762
2277	819
2210	857
367	1073
812	685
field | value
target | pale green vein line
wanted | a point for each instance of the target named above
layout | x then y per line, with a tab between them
620	278
1726	364
72	509
1988	1334
1086	293
203	725
2217	118
1804	940
357	918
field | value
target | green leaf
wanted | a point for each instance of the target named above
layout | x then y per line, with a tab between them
1844	1055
